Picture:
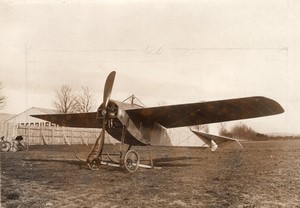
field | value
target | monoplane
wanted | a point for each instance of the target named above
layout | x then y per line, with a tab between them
135	125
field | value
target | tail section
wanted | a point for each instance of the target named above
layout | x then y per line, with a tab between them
214	141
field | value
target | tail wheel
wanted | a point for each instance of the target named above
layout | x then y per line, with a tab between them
131	161
5	146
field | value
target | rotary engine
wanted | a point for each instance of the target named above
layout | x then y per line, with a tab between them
110	112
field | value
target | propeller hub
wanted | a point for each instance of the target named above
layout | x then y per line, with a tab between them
103	112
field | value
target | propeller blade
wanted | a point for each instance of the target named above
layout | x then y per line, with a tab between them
106	97
108	88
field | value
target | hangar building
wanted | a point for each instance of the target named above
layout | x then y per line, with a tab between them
36	131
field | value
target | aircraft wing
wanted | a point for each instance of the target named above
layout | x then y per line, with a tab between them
206	112
83	120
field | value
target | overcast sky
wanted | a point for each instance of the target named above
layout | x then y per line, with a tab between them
171	51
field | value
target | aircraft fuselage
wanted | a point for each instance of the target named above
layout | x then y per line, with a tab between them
137	133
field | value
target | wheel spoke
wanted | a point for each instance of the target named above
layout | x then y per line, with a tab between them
131	161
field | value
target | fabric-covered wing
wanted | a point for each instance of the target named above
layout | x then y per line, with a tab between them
206	112
83	120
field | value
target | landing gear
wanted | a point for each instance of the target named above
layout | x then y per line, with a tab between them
127	158
131	161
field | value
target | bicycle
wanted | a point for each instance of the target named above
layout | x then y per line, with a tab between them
4	145
18	144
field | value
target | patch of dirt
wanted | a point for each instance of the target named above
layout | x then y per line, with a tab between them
263	174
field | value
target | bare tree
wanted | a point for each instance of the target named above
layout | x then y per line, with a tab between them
86	101
223	131
2	98
242	131
238	131
65	101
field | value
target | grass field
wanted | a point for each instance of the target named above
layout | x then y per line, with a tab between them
263	174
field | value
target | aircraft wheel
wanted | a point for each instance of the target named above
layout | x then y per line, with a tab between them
95	164
5	146
131	161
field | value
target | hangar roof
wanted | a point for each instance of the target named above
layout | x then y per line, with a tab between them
25	117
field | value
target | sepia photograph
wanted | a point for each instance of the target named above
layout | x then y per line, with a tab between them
129	103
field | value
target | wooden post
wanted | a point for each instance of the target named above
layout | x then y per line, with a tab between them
43	137
52	135
28	133
84	141
80	135
65	138
63	135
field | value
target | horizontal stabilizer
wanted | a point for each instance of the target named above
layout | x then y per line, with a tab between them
214	141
